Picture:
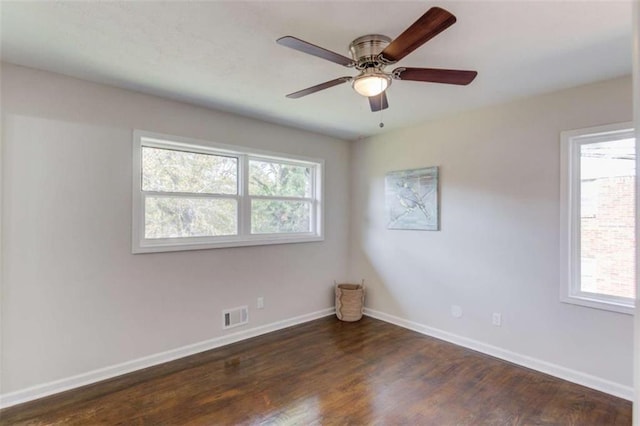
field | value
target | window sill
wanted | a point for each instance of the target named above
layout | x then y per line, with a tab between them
193	244
620	307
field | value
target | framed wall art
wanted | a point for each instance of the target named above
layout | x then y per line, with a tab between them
412	199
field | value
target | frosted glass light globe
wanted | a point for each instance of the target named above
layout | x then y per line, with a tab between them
370	84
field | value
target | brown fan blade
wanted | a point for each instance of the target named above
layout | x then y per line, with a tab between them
318	87
432	23
378	102
312	49
435	75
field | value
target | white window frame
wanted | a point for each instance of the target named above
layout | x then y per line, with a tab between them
140	244
570	289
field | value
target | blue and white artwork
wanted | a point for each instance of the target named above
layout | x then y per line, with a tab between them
412	199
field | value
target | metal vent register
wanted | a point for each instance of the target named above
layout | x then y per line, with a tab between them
235	317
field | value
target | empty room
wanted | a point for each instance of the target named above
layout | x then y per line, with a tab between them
319	213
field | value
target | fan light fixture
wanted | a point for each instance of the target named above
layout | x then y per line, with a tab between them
371	83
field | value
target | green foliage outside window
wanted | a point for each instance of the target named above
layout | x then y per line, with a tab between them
272	179
165	170
282	191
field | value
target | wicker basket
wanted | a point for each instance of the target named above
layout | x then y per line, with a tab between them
349	301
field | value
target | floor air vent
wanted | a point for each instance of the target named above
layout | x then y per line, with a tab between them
235	317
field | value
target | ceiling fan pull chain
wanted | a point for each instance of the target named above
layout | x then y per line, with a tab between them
381	109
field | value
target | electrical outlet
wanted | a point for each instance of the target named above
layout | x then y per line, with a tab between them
496	319
456	311
260	303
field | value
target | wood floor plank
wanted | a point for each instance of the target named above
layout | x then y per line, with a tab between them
328	372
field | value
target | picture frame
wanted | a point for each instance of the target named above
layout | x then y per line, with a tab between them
412	199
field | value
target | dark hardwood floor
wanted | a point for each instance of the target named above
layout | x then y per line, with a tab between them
329	372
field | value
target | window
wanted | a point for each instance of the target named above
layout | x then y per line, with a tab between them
598	217
191	195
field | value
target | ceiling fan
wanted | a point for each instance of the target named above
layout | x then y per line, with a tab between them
371	53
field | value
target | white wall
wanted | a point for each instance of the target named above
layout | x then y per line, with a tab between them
635	18
498	248
74	298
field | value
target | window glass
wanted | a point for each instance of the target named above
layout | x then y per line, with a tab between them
173	217
269	178
190	195
166	170
598	219
277	216
607	223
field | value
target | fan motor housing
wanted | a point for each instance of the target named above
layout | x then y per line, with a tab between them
366	49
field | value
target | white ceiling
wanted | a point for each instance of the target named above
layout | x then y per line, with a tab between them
223	55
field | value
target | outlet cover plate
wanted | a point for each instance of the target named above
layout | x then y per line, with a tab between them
456	311
496	319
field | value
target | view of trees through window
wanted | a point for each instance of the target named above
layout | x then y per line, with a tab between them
191	194
607	217
166	170
186	187
282	190
170	217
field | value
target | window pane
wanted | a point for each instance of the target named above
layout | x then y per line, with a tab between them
172	217
276	179
166	170
274	216
607	233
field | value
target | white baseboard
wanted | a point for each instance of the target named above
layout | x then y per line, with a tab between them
50	388
616	389
46	389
